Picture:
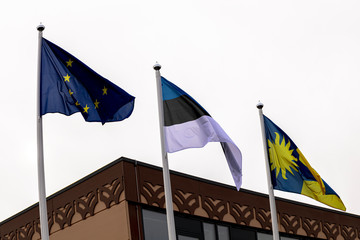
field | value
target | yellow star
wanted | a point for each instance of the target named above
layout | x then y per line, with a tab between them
96	103
77	103
70	92
66	78
104	90
69	63
86	108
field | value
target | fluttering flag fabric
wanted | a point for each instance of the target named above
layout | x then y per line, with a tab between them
291	172
188	125
69	86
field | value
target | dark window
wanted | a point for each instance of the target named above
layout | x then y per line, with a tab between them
188	227
155	227
242	234
267	236
181	237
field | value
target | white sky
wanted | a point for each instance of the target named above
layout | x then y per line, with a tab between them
300	58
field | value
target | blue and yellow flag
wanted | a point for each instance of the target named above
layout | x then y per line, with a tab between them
291	172
69	86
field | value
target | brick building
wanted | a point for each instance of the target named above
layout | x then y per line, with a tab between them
125	200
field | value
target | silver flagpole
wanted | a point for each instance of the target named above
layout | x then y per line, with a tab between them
273	211
166	173
40	152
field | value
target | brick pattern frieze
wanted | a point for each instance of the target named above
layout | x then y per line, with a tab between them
141	184
263	217
348	232
191	197
86	204
312	227
243	214
290	223
186	202
108	194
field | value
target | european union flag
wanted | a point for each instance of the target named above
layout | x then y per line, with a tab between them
291	172
69	86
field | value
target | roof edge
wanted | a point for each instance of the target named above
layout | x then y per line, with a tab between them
135	162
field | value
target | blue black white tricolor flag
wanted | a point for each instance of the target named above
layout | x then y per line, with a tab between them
188	125
69	86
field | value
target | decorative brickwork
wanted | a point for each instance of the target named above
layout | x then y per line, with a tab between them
243	214
63	212
290	223
312	227
85	205
110	192
264	217
26	232
215	208
348	232
331	230
186	202
142	184
154	194
243	208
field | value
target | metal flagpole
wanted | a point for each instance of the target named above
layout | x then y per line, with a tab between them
40	152
166	173
273	211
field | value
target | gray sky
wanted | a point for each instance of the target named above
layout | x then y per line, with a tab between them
300	58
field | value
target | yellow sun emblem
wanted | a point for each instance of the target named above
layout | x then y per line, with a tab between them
281	157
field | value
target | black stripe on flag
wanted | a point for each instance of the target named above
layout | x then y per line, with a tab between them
182	109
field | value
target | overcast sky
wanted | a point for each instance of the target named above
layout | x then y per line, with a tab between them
300	58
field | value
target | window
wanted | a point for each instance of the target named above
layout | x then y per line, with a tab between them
181	237
223	232
266	236
288	238
209	231
155	226
243	234
192	228
188	228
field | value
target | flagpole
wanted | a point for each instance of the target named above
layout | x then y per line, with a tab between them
273	211
166	172
40	152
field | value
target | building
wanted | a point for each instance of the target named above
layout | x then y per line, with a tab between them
125	200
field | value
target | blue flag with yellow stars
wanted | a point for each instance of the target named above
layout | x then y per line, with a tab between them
69	86
291	172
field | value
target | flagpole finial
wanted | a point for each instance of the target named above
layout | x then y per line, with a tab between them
259	105
157	66
40	28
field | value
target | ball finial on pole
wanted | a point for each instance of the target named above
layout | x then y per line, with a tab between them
157	66
260	105
40	28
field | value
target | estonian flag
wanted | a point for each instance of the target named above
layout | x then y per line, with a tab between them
291	172
188	125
